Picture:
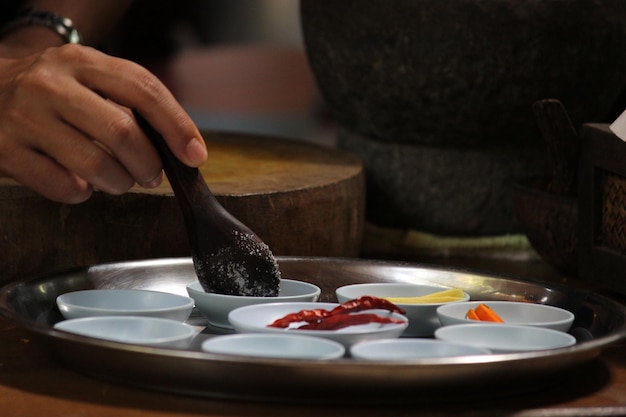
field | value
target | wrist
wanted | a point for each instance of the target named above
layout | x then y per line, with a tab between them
33	30
28	40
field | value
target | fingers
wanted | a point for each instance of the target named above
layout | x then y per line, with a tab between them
38	147
57	160
88	160
46	177
67	128
139	89
117	131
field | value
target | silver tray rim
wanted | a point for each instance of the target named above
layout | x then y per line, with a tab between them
390	378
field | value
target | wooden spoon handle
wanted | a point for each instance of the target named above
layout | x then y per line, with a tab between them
188	184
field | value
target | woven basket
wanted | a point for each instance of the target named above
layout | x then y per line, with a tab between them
613	196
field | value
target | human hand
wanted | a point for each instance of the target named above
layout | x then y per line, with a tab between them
66	127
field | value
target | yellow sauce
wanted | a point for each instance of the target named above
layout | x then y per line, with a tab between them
445	296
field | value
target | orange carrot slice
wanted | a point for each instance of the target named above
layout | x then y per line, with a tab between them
471	315
485	313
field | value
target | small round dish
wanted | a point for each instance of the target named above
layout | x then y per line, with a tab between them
256	318
411	349
119	302
511	312
217	306
281	346
423	318
505	338
137	330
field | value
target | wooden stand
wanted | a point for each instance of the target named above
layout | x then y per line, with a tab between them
602	207
300	198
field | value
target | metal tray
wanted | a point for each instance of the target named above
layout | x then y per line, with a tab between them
31	304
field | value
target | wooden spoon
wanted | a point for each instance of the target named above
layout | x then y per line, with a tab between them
228	257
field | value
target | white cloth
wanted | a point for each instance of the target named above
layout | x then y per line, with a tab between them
619	126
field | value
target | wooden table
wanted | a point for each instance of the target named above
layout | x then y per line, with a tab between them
33	383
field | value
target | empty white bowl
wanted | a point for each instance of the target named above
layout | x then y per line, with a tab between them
256	318
217	306
423	318
112	302
505	338
412	349
511	312
284	346
147	331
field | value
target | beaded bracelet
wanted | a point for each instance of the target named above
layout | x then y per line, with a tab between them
63	26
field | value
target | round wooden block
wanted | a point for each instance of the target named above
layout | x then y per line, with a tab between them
301	199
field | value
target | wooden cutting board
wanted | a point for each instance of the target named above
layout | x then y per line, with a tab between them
300	198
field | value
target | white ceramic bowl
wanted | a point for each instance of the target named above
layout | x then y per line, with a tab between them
511	312
423	318
217	306
284	346
112	302
505	338
148	331
256	318
411	349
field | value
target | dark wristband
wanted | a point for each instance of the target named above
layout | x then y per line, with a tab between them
63	26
